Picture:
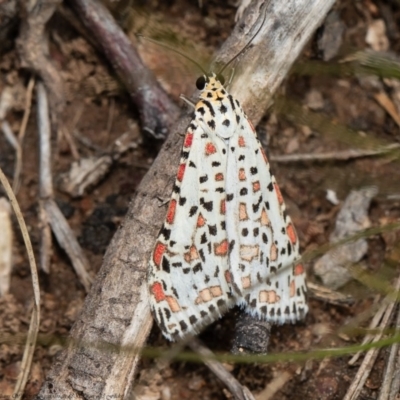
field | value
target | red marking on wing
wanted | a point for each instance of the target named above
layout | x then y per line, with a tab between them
188	140
221	249
200	221
278	193
219	177
291	233
171	212
242	142
157	291
298	270
158	253
228	276
256	186
222	208
210	149
181	172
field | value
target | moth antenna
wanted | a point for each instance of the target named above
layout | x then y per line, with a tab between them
244	48
174	50
187	101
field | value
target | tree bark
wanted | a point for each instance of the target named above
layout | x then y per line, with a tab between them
116	311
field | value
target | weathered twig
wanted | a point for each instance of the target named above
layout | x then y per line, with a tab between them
50	213
6	243
34	52
386	310
157	111
390	385
35	317
330	296
274	386
238	391
120	290
21	134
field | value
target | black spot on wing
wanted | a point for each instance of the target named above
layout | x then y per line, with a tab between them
223	109
212	229
193	211
231	101
210	107
211	124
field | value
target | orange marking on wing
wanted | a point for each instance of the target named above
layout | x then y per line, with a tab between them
256	186
246	282
188	140
158	253
157	291
204	296
292	289
264	218
191	255
278	193
291	233
219	177
298	270
249	253
171	212
221	249
268	296
210	149
200	221
181	172
173	304
222	207
241	142
243	212
242	174
194	255
216	291
208	294
228	277
274	252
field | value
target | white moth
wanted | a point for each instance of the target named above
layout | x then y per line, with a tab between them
226	239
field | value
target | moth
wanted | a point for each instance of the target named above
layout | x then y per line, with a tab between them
226	239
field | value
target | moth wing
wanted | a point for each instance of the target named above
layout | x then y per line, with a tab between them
188	269
264	247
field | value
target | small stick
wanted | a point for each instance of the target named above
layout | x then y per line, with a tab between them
21	134
50	213
330	296
6	245
157	111
389	387
383	100
33	48
71	143
368	362
35	318
238	391
335	155
274	386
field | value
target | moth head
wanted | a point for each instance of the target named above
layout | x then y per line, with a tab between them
202	81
